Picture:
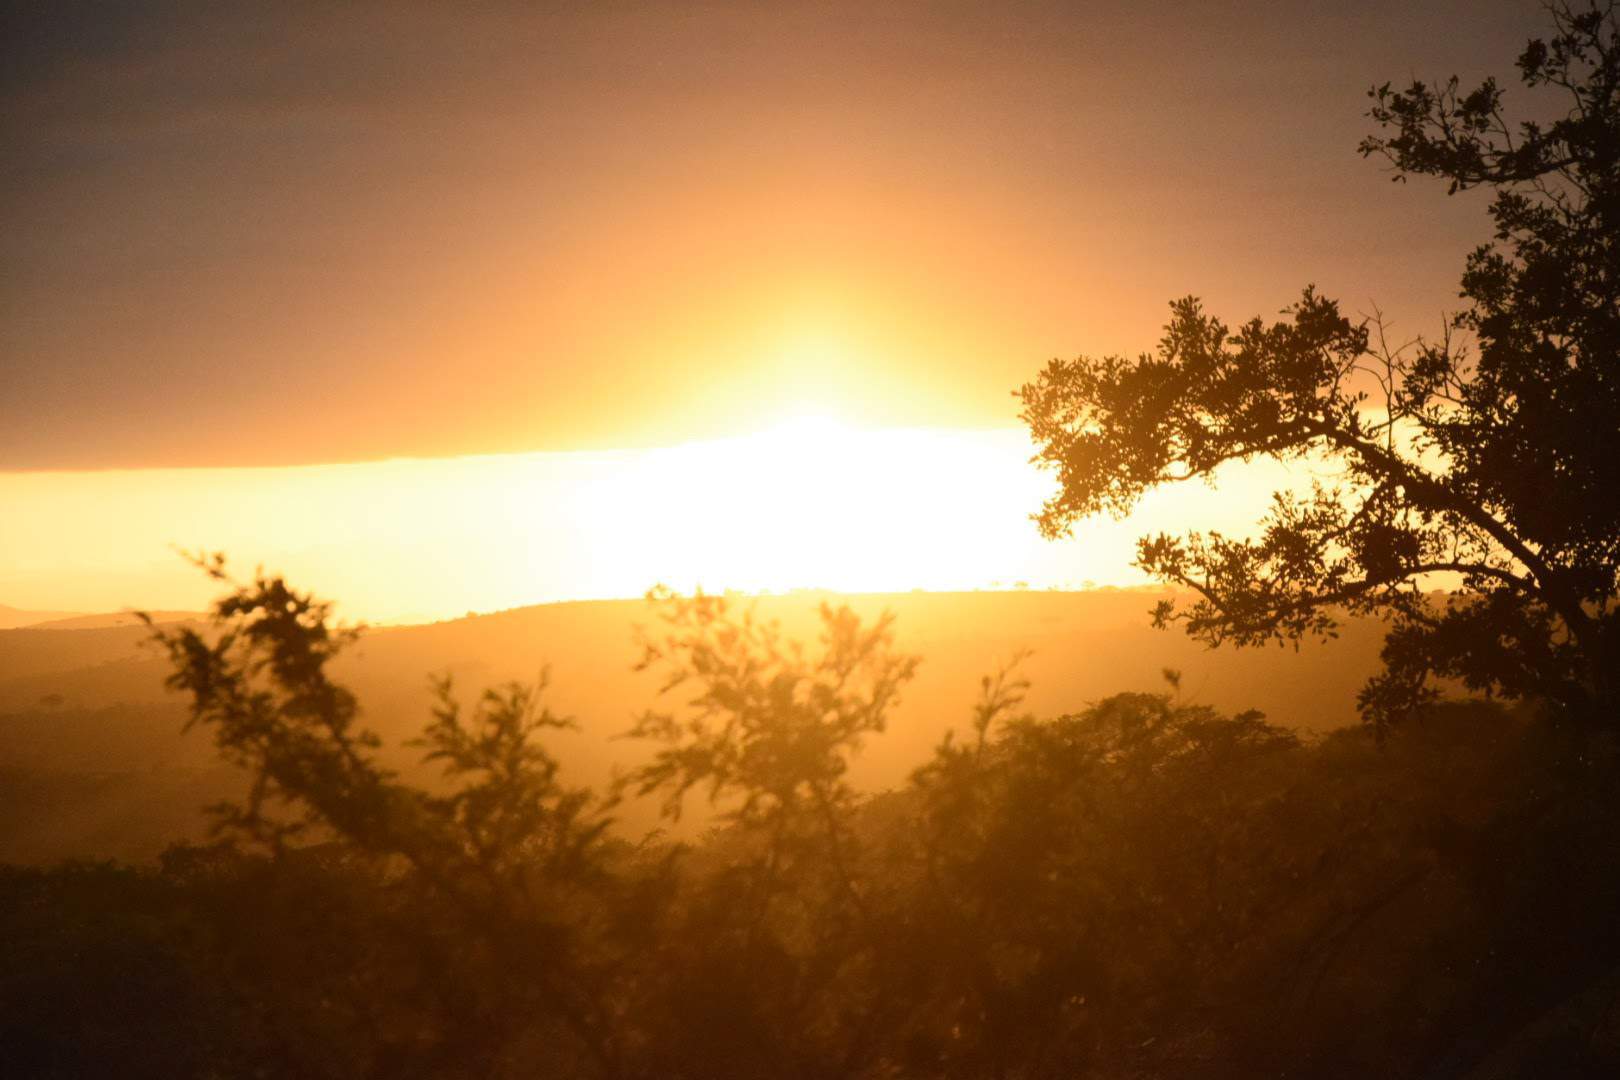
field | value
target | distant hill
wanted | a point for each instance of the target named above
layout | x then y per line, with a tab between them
86	710
64	657
113	618
11	617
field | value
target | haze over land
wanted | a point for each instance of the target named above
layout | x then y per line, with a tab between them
95	763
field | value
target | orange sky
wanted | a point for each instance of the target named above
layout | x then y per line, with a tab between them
288	235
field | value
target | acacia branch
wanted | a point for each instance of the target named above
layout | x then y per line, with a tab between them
1350	590
1421	485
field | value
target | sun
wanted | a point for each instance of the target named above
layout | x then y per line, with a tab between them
806	434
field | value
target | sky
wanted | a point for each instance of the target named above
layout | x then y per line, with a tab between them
807	504
243	242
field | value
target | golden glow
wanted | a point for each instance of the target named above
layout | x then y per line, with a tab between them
636	225
807	501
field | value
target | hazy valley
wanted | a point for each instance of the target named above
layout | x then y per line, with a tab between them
96	765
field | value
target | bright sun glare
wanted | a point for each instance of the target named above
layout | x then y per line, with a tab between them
809	434
807	501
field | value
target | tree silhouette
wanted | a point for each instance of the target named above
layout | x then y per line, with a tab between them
1487	460
779	941
506	862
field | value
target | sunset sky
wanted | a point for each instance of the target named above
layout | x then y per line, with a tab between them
446	307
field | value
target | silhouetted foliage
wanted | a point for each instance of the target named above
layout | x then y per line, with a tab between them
1491	455
513	863
1143	888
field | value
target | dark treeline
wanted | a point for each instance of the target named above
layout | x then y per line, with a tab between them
1142	888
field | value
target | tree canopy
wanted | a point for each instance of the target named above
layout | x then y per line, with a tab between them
1484	463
